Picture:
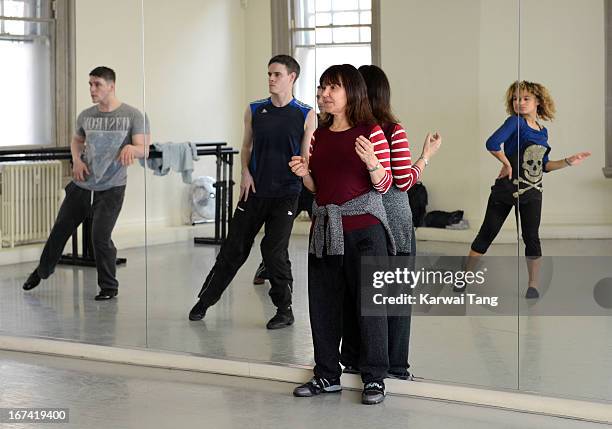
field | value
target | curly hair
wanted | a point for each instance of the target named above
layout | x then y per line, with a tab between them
546	106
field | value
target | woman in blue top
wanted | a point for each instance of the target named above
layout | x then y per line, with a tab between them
525	147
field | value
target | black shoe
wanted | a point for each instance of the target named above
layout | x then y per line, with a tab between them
373	393
260	275
351	369
106	294
318	385
281	319
198	311
532	293
32	281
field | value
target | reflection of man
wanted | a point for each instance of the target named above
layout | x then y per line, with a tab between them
304	202
109	136
275	129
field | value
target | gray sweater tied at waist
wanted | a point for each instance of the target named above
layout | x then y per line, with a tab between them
332	236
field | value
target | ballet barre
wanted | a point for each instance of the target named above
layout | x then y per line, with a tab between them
223	203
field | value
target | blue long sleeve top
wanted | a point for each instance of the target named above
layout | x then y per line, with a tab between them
506	135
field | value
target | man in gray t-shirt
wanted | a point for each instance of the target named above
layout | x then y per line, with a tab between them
106	134
109	137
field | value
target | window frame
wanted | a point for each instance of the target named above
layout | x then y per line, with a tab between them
374	33
63	94
283	29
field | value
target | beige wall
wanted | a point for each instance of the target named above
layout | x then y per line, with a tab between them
194	70
434	66
565	52
106	37
258	49
192	88
450	63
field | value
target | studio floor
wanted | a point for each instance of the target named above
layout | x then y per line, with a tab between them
566	355
102	395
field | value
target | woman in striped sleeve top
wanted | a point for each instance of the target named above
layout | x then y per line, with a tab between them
348	170
397	206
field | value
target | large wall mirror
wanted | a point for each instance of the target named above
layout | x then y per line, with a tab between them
58	64
449	67
452	79
190	78
564	337
202	71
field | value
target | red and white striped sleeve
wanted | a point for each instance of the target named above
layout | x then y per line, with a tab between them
405	175
381	150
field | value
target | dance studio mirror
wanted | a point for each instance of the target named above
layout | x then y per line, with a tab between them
51	57
204	62
565	343
211	61
449	65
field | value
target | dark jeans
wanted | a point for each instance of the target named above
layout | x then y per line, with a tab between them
330	280
398	332
250	216
75	208
497	211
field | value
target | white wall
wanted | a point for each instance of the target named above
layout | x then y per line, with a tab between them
450	64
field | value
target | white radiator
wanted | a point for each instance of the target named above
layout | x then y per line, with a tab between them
30	194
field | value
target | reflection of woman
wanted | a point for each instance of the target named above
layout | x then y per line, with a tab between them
397	206
348	173
525	146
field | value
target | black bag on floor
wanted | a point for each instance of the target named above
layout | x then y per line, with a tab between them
417	195
440	219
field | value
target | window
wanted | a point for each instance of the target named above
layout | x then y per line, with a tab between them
346	32
303	48
26	77
319	33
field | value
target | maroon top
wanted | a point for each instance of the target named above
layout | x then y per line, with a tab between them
340	175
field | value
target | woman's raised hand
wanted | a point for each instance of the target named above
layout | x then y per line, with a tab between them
431	145
577	158
365	151
299	166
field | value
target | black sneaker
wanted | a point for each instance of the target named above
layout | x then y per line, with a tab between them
373	393
260	275
318	385
281	319
532	293
198	311
32	281
106	294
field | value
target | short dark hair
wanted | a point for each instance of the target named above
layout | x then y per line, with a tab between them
358	109
289	62
105	73
379	94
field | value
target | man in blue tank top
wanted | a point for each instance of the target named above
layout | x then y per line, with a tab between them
275	129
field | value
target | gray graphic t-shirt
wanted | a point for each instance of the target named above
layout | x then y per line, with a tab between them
105	135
